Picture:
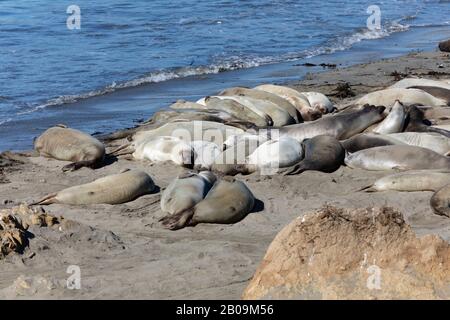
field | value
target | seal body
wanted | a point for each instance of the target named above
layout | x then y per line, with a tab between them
322	153
394	122
414	180
186	191
68	144
340	126
113	189
166	148
402	157
368	140
298	100
229	201
387	97
264	95
205	154
440	201
433	141
319	101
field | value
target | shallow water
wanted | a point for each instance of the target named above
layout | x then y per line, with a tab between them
132	58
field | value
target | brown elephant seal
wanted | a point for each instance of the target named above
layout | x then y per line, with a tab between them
186	191
415	122
264	95
340	126
68	144
410	181
413	82
368	140
401	157
322	153
440	201
112	189
229	201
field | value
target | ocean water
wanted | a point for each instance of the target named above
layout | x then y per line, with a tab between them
131	58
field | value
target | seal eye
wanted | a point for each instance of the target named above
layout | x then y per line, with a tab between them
91	193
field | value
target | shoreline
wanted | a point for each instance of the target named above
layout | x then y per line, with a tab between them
123	252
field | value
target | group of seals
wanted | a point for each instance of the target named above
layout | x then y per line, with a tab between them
237	124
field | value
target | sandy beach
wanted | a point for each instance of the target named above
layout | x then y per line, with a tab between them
122	250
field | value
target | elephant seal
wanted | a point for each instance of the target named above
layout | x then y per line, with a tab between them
267	158
229	201
166	148
186	191
112	189
410	181
433	141
438	92
205	154
319	101
368	140
394	122
264	95
414	82
258	139
183	104
322	153
63	143
297	99
440	201
238	110
402	157
340	126
416	122
279	116
387	97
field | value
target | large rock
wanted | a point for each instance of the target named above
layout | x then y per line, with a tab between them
352	254
444	46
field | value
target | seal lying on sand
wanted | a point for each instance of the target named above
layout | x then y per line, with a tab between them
368	140
340	126
68	144
205	154
415	180
319	101
440	201
228	201
430	140
413	82
416	122
267	158
113	189
264	95
186	191
394	122
297	99
322	153
166	148
402	157
387	97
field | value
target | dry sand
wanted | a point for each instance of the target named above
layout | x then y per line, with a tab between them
124	253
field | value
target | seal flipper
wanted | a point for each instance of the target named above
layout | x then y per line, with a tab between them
295	169
79	164
178	220
48	199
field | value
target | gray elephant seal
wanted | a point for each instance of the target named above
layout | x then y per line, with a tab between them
402	157
395	120
416	122
264	95
368	140
186	191
229	201
438	92
440	201
340	126
415	180
68	144
322	153
113	189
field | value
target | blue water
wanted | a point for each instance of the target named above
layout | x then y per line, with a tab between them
131	58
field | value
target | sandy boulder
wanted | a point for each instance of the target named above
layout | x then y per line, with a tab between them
352	254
